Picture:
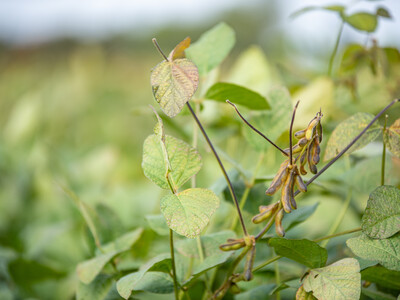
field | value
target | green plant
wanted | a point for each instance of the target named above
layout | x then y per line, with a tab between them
209	263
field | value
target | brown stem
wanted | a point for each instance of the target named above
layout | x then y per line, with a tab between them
291	133
159	49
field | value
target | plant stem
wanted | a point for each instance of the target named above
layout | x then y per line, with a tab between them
231	190
340	218
291	133
248	188
171	246
277	279
159	49
349	145
383	152
335	49
256	130
271	260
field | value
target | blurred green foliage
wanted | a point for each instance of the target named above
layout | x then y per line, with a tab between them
76	115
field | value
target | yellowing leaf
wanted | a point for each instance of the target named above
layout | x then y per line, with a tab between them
301	294
392	138
188	212
179	50
340	280
174	82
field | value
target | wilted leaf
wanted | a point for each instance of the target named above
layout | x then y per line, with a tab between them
362	21
271	123
188	212
382	276
381	218
237	94
347	130
158	224
184	161
340	280
137	281
303	251
212	48
175	81
386	251
392	138
89	269
96	290
303	295
179	50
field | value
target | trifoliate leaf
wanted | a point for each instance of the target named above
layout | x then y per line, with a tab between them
381	218
386	251
340	280
392	138
238	95
303	251
188	212
184	160
212	48
347	130
174	81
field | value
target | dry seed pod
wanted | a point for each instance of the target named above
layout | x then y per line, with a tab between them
287	191
300	134
311	165
295	149
279	179
316	151
248	267
302	163
300	183
319	131
233	244
278	223
266	212
302	142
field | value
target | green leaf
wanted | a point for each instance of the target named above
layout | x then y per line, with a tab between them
386	251
303	251
258	293
340	280
153	282
157	224
238	95
135	281
381	218
382	276
175	81
213	256
392	138
188	212
96	290
184	160
301	294
383	12
347	130
89	269
271	123
362	21
212	48
376	295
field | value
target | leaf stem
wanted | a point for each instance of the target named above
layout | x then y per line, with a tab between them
332	58
383	152
222	169
171	246
291	133
154	40
256	130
